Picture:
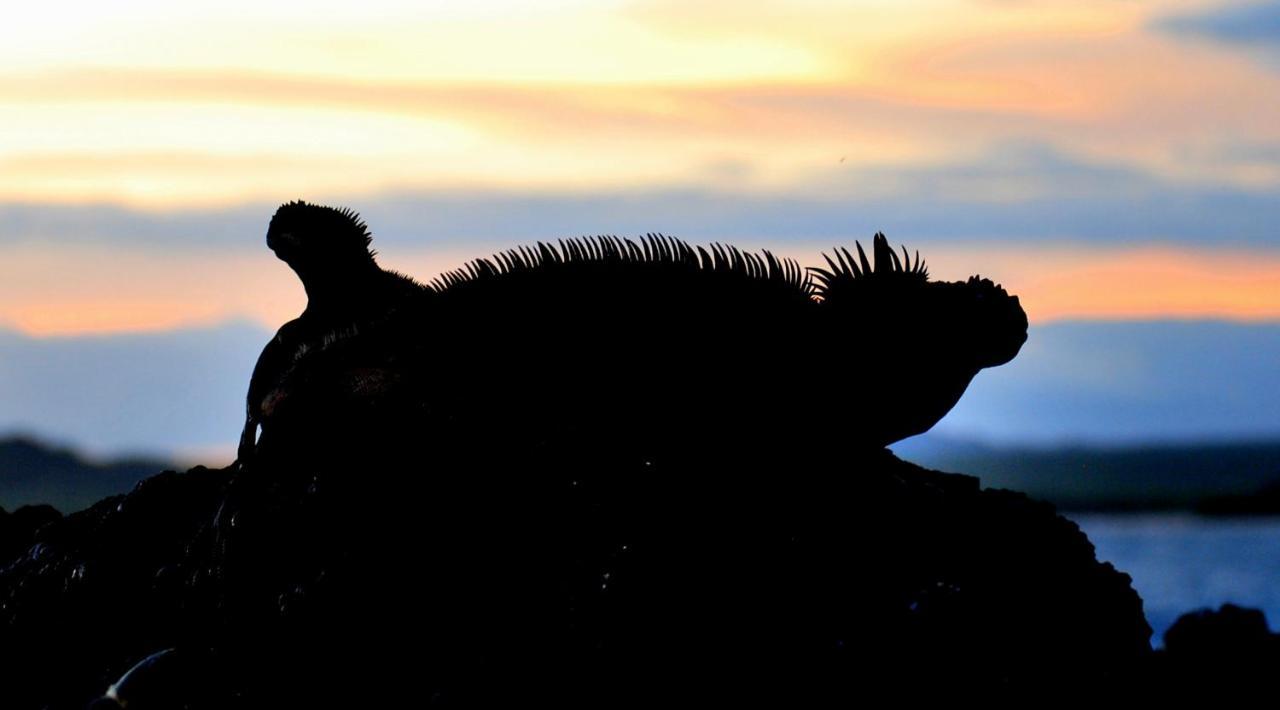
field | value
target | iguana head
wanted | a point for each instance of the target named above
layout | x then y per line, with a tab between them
974	324
319	242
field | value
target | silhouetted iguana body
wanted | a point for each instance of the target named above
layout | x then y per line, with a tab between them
347	294
657	341
867	350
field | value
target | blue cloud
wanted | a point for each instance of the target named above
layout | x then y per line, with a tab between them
156	392
1014	192
1109	383
1255	24
1126	382
95	223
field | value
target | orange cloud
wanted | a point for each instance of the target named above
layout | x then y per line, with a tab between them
1163	284
1059	283
106	291
49	290
626	95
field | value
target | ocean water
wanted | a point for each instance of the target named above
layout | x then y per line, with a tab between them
1182	562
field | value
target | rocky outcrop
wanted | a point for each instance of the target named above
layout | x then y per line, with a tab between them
550	576
1225	656
581	476
18	529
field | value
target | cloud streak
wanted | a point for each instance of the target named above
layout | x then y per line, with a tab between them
1251	24
1126	382
1112	92
1121	382
159	392
151	280
1014	192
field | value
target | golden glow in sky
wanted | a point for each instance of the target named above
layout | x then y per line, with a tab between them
161	104
156	292
164	107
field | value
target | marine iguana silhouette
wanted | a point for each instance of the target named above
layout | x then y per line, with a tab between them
347	294
652	339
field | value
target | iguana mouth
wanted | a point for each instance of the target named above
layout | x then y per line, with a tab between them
283	242
1017	331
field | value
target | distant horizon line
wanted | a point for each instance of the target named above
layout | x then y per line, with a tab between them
218	455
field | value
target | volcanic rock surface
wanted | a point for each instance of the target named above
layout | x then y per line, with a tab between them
549	575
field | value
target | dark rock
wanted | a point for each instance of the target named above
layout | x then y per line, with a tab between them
18	529
571	477
567	581
1228	632
1225	657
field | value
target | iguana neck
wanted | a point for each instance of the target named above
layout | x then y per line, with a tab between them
340	292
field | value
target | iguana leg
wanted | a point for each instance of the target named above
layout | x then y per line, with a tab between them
248	442
271	366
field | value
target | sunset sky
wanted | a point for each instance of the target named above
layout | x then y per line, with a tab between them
1106	160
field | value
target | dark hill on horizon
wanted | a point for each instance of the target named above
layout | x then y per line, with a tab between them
33	472
1162	476
1078	477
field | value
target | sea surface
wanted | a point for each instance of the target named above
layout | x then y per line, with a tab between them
1183	562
